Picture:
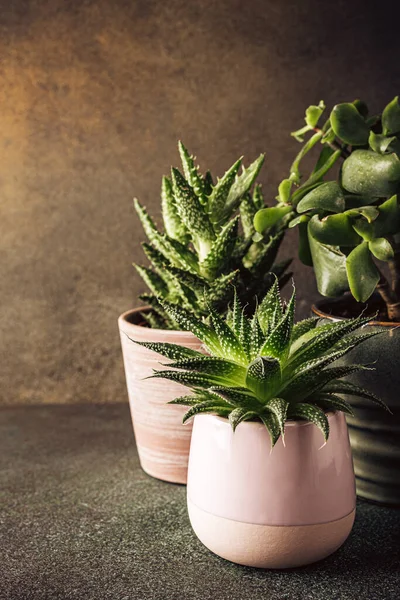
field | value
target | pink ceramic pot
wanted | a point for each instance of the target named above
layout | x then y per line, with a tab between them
272	509
162	441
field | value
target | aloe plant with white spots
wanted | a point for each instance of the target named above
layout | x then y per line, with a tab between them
266	367
207	246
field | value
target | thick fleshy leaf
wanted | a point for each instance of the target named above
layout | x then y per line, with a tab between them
321	339
192	175
351	341
153	281
278	341
186	400
190	323
240	414
367	173
351	389
241	397
316	177
304	250
257	337
383	144
333	230
329	268
264	376
221	250
270	312
220	367
381	249
189	379
171	351
313	114
219	195
391	117
362	272
279	407
242	184
388	221
268	217
303	327
284	190
222	289
247	211
349	125
310	382
189	208
328	401
326	197
272	425
206	407
172	223
229	344
310	413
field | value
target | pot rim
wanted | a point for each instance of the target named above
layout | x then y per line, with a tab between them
124	318
324	315
289	423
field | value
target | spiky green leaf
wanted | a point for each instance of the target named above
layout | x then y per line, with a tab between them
310	413
190	209
172	222
191	173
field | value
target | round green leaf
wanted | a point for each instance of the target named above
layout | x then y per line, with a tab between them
329	267
268	217
388	221
349	125
327	197
381	249
391	117
368	173
335	230
362	272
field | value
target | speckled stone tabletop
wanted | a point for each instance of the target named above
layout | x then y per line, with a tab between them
79	519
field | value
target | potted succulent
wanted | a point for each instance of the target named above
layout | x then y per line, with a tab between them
205	249
265	488
347	214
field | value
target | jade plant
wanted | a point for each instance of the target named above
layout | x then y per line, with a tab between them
207	246
265	367
349	223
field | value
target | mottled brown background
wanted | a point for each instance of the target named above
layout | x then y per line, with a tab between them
93	96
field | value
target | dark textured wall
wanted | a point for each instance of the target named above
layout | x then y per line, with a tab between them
93	96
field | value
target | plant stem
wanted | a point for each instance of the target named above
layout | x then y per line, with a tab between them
335	145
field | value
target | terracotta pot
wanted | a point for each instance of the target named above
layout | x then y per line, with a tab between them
374	433
276	509
162	440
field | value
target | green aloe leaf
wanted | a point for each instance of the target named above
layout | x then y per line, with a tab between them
221	249
222	289
206	407
188	322
367	173
279	407
351	389
264	376
229	344
186	401
362	272
192	175
277	343
381	249
328	401
243	184
238	415
272	425
232	372
303	327
218	198
241	397
190	209
270	311
326	197
171	351
247	211
311	413
257	337
153	281
349	125
391	117
189	379
173	224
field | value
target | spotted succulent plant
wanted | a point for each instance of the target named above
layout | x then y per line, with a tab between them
266	367
207	246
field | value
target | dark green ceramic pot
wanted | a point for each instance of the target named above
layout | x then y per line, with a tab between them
374	433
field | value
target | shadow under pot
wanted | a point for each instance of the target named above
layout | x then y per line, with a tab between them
374	432
162	440
280	508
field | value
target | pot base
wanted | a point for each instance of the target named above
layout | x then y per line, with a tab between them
269	546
